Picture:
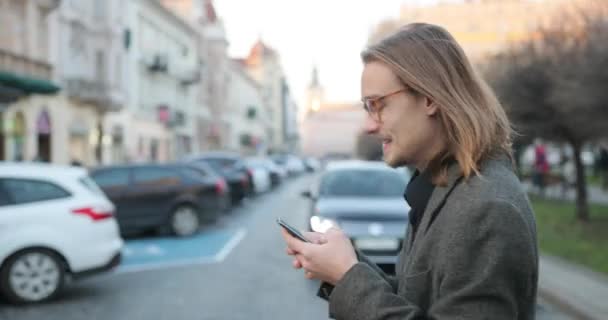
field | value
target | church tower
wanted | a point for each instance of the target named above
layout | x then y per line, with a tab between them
314	94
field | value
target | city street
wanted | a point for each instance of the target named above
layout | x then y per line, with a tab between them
235	269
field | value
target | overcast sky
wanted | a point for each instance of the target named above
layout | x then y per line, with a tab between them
328	33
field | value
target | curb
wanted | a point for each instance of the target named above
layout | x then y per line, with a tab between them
564	305
561	298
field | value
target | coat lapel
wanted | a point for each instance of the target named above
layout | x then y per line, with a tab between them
437	197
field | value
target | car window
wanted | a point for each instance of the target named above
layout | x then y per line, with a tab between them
89	184
5	198
193	173
111	178
154	176
362	183
200	169
220	164
26	190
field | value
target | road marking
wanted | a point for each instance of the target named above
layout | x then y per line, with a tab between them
230	245
154	250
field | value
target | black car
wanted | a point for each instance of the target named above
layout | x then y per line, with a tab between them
172	198
232	168
365	200
209	174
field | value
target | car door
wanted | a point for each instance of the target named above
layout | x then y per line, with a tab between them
115	182
152	194
25	202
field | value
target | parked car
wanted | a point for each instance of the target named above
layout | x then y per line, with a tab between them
212	177
55	223
169	198
261	175
312	164
290	162
365	199
277	173
232	168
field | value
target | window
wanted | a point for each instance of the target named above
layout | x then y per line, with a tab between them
5	198
220	164
363	183
155	176
100	66
194	171
112	178
26	191
118	71
90	185
99	9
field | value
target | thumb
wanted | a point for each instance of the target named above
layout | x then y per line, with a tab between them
293	243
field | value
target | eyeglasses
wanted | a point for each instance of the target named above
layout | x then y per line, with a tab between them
374	105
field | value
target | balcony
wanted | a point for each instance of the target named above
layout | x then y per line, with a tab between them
49	5
94	92
20	75
23	66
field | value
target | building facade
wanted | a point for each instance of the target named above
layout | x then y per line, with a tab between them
246	114
158	123
263	64
211	127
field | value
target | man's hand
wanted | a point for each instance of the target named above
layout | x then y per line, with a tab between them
327	258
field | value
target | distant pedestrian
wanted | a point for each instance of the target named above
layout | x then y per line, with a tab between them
541	167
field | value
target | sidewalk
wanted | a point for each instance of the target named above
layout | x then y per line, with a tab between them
572	288
594	194
575	290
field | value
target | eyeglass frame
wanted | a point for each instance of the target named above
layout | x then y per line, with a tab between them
375	112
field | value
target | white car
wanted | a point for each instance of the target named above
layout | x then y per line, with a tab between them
295	165
260	174
55	223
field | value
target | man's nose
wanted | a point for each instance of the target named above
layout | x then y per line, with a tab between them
371	126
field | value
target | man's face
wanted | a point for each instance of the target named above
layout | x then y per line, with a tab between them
404	121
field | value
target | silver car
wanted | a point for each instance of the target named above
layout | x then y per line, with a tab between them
364	199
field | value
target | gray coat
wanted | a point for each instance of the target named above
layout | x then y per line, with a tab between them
478	259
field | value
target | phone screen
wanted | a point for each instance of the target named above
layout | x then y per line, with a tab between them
291	230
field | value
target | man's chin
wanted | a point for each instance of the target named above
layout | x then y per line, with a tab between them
391	162
394	162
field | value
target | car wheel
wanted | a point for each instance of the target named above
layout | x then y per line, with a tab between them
31	276
185	221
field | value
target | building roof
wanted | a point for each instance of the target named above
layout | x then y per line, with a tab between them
258	52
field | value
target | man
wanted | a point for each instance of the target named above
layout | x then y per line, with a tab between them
470	250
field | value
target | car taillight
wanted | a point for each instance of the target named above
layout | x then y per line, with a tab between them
94	214
220	187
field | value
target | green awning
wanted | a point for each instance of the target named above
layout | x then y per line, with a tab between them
27	84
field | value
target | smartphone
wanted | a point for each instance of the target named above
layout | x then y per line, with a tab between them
291	230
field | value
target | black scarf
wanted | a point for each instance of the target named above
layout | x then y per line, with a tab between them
417	195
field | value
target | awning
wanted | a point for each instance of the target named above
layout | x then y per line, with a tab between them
9	94
27	84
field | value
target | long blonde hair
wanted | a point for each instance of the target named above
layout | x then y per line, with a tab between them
428	59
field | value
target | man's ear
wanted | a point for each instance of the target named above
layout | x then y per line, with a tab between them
430	107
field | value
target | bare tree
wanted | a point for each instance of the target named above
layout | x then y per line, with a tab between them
555	85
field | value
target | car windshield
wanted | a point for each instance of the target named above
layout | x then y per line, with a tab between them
219	164
362	183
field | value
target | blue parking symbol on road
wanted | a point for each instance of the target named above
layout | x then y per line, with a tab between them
155	253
